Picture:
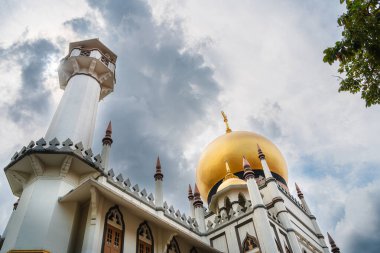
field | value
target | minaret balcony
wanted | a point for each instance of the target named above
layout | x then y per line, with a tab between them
91	58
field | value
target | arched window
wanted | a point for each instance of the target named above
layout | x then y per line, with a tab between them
241	200
145	243
113	235
173	246
228	205
250	244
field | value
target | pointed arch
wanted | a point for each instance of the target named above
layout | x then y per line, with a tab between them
227	205
250	244
242	200
113	232
173	246
145	241
193	250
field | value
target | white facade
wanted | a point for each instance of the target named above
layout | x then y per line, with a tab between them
70	201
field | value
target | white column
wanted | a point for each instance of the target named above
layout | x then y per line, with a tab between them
89	244
260	218
76	113
159	193
105	156
279	205
200	218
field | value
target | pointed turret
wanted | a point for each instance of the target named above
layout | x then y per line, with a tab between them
198	210
190	196
248	173
267	172
260	152
299	192
197	197
158	176
107	142
334	248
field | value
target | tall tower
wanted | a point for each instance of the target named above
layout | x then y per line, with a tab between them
87	74
44	171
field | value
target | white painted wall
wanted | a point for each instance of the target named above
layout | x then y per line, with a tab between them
76	112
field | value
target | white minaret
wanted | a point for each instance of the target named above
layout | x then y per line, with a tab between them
313	220
260	215
107	142
158	177
198	210
279	206
87	74
41	221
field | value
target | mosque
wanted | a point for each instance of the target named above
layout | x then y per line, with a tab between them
70	201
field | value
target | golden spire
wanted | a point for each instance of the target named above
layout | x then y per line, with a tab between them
229	173
228	129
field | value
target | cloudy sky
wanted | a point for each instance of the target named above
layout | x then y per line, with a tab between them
179	64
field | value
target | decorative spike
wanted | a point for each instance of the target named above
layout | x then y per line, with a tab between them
299	192
178	213
14	157
171	209
88	154
136	188
120	178
30	145
79	148
183	217
98	161
229	174
334	248
127	183
107	140
158	175
260	152
197	198
53	144
40	144
23	150
110	173
150	197
143	193
190	195
248	172
165	205
66	145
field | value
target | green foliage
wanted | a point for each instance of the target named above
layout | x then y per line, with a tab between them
358	52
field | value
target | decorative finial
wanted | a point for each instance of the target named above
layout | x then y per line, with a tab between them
197	198
228	129
190	195
107	140
260	152
248	172
334	248
299	192
228	172
158	175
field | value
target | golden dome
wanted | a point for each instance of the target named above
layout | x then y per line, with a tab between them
231	147
231	181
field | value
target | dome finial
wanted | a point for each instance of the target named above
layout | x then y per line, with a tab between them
228	129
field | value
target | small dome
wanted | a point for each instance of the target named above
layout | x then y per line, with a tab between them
231	181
